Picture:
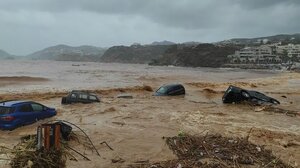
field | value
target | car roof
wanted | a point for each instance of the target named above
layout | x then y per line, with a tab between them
172	85
79	91
83	91
12	103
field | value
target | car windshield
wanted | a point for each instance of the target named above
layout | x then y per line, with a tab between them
92	97
163	89
5	110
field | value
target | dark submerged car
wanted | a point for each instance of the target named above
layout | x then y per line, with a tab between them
235	95
18	113
77	96
170	90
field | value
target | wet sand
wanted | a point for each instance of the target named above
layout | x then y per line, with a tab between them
134	127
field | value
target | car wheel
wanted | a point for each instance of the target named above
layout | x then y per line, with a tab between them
255	101
245	94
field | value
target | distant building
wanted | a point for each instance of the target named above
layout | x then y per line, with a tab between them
292	50
262	54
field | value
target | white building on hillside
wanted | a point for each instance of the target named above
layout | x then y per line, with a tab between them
262	54
292	50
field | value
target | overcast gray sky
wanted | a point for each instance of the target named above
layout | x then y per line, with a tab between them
30	25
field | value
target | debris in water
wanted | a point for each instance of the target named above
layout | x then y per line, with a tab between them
125	96
216	151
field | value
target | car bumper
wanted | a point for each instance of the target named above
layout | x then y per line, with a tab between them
7	126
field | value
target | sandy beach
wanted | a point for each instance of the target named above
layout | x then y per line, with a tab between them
134	127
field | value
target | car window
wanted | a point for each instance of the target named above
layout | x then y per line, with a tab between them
73	96
26	108
93	97
37	107
179	88
5	110
83	96
162	90
172	90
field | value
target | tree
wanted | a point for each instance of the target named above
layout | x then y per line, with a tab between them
284	56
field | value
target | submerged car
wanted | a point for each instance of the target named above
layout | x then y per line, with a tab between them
235	95
78	96
18	113
170	90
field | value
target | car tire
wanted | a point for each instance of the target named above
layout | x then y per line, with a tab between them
64	100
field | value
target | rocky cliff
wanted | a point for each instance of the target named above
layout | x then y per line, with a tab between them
202	55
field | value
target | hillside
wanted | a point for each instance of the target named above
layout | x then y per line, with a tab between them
163	43
284	38
202	55
68	53
5	55
134	54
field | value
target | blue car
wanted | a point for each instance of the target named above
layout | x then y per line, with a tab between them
18	113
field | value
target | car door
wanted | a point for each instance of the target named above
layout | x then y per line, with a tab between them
175	90
74	98
39	111
179	90
26	114
83	98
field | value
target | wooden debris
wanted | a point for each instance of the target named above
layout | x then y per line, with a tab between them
216	151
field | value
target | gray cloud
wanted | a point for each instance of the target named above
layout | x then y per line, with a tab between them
259	4
27	26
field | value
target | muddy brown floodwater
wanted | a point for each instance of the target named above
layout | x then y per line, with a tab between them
134	127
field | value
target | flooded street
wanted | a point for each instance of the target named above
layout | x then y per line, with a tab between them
134	127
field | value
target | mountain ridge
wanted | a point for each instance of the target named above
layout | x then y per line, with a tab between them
148	53
61	51
284	38
141	54
6	55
